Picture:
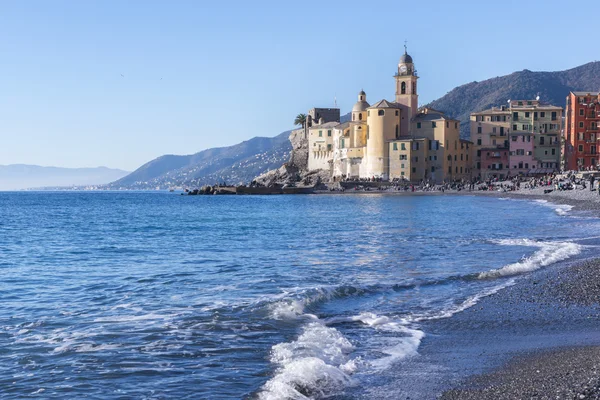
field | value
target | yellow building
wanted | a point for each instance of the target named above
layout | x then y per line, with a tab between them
370	144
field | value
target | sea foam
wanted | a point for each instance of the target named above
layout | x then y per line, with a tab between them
316	364
547	253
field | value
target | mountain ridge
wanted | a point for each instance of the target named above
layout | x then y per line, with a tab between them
244	161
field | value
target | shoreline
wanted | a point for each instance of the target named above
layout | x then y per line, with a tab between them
536	339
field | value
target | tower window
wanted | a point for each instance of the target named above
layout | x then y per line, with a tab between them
403	88
380	112
360	117
414	88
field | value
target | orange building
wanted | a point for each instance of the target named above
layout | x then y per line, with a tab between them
582	133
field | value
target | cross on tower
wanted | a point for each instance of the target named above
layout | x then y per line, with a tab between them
405	42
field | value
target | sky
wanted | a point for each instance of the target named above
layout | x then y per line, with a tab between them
119	83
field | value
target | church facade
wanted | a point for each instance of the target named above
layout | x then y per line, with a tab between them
392	140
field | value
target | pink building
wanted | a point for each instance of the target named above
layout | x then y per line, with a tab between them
522	159
494	163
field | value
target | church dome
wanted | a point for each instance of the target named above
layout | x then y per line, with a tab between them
361	104
406	59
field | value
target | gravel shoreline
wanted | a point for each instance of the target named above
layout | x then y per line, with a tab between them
559	310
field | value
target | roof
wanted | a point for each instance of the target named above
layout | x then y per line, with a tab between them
386	104
406	58
331	124
586	93
493	110
343	125
360	106
429	116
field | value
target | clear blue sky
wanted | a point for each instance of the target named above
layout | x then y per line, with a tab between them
199	75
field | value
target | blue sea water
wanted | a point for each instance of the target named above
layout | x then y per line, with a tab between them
156	296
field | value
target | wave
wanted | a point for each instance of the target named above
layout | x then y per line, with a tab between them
314	365
548	253
465	305
560	209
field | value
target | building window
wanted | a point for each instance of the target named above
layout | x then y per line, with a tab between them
320	133
414	170
542	115
541	140
456	125
329	133
432	169
592	150
395	146
396	113
402	173
402	166
433	124
553	152
580	148
581	112
461	157
478	129
553	115
397	131
514	127
447	124
328	147
526	115
403	157
380	112
403	146
342	146
418	125
479	142
581	124
515	116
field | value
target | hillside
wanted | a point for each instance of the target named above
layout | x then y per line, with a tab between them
233	164
20	176
244	161
552	87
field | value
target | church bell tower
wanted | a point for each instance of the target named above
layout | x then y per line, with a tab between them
406	84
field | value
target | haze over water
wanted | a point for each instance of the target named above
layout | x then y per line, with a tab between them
154	295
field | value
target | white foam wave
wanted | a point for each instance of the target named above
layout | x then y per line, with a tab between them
465	305
291	308
314	365
547	253
560	209
406	346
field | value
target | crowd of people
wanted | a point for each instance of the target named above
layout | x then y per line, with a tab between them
550	182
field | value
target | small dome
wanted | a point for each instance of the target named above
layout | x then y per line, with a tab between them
360	106
406	59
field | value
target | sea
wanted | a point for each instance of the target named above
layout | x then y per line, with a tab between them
135	295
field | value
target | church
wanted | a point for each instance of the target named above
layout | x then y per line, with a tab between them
391	140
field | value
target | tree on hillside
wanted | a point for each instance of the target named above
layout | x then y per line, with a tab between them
300	120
